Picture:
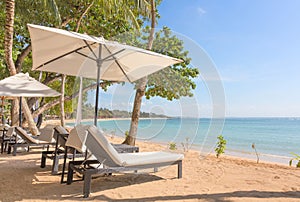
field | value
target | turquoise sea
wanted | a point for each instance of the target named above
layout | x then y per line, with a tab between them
274	138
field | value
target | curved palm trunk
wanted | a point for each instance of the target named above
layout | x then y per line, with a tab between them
8	48
140	92
9	35
8	44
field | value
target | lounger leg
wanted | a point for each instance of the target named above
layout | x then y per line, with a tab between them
64	165
179	169
70	174
87	185
5	146
55	165
9	149
15	150
43	160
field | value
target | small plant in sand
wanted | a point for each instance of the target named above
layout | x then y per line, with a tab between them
253	147
126	134
296	158
185	144
172	146
221	146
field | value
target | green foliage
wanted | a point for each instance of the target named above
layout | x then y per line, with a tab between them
221	146
126	134
172	146
170	83
108	19
88	113
105	18
296	158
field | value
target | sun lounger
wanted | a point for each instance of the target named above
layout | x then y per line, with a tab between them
47	133
23	139
61	136
75	142
77	138
4	139
114	162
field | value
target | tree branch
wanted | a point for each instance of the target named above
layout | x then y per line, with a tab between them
66	21
48	105
83	14
21	57
50	79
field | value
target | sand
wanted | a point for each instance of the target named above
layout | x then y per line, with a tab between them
204	179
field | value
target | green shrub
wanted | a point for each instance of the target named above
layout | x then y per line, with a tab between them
126	134
221	146
172	146
297	158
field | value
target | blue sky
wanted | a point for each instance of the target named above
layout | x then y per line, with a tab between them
255	47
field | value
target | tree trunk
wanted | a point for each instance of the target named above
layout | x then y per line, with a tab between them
9	35
8	48
14	113
27	112
62	101
140	92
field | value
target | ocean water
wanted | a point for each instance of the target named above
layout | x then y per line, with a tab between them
274	138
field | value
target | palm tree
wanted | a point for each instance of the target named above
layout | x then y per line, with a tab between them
126	7
9	34
108	6
8	44
8	49
117	6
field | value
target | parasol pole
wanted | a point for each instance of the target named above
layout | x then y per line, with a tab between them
20	112
99	63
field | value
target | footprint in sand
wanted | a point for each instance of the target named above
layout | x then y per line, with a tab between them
251	182
294	189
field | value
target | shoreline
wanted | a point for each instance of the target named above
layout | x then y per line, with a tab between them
263	157
57	121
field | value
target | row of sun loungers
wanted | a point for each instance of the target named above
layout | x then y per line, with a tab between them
90	144
13	138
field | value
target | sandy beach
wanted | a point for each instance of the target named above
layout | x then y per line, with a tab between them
204	179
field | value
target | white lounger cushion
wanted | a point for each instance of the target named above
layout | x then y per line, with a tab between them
142	158
77	137
46	134
28	138
127	159
105	145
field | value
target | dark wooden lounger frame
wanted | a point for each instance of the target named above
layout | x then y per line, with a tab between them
87	171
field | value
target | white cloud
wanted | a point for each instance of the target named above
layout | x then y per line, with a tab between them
201	11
